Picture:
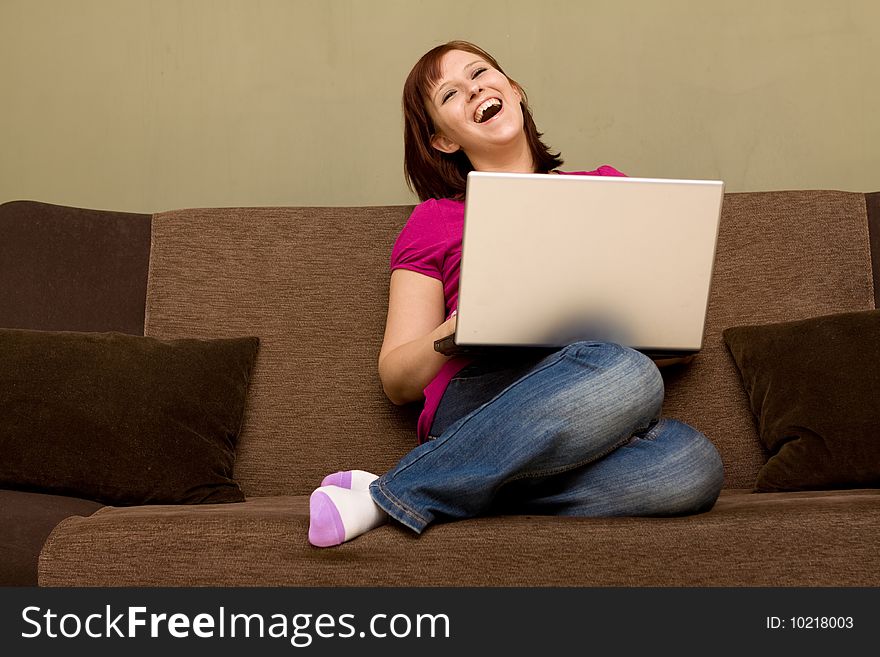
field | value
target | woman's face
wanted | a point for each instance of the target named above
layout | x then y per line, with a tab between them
474	107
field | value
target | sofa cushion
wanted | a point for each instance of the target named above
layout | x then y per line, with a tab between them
122	419
72	269
772	539
27	520
315	290
813	386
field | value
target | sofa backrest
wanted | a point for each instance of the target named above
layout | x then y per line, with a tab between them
72	269
781	256
312	284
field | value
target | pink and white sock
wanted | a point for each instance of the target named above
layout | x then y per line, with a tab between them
353	479
340	514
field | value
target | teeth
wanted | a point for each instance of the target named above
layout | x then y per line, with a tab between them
486	104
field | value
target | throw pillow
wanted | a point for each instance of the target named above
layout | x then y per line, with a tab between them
814	388
122	419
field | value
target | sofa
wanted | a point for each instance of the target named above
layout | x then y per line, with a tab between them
310	284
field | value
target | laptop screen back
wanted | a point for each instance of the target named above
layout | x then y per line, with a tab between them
549	259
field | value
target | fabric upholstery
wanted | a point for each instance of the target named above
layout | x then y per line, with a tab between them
804	539
312	283
27	520
872	206
72	269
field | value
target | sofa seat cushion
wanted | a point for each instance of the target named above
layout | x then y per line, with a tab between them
810	538
26	520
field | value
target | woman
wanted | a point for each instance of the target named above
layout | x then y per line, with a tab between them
576	432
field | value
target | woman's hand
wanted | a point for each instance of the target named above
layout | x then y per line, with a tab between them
447	328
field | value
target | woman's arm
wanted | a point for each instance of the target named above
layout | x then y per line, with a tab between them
407	360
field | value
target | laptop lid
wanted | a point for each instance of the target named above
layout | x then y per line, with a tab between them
551	259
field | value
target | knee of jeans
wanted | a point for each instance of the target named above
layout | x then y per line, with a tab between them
640	372
699	484
640	381
645	374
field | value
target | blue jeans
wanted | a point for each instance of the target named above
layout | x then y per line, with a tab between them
574	432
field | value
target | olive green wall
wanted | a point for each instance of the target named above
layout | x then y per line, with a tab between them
148	105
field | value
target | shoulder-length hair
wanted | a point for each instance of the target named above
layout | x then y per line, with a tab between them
431	173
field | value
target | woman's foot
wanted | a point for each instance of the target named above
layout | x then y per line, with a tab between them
339	514
353	479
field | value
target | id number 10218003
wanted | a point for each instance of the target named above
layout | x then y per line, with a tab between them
810	623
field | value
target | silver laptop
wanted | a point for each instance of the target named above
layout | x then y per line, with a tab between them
551	259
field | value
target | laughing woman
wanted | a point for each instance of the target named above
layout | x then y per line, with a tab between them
577	432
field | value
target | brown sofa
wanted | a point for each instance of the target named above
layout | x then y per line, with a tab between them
312	284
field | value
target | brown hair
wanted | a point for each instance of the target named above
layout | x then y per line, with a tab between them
429	172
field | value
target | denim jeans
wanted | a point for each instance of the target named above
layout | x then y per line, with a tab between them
574	432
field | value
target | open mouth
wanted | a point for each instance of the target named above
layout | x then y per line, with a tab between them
487	109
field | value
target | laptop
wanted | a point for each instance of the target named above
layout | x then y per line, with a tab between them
551	259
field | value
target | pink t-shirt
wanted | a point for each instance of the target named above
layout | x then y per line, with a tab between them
430	244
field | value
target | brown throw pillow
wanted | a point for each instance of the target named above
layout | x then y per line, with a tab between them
122	419
814	388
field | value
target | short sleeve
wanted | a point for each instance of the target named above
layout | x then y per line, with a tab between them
420	247
606	170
